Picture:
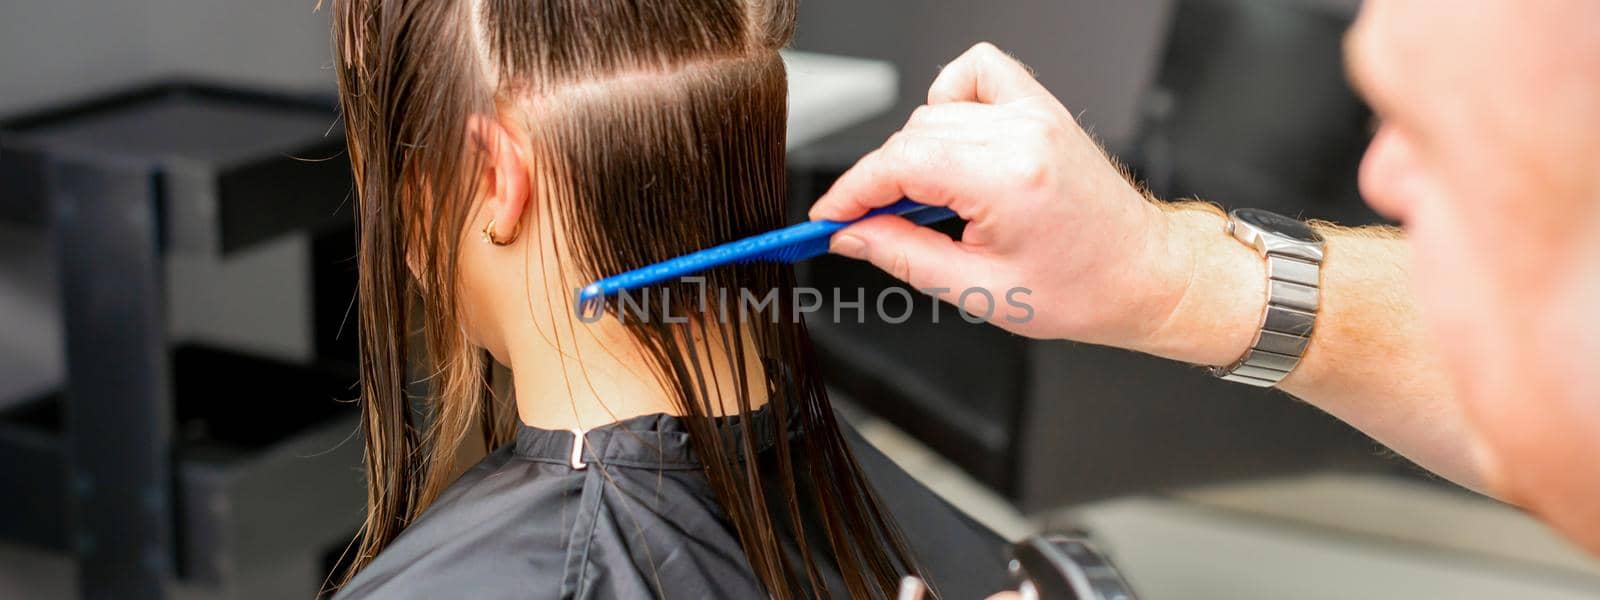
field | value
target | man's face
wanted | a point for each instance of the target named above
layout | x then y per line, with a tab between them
1489	154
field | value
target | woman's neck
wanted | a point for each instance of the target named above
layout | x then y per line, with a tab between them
585	375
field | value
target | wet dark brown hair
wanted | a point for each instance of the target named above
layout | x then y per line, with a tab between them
658	127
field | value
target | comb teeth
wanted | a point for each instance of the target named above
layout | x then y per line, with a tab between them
591	302
791	244
792	253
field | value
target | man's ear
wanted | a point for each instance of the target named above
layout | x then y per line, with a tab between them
503	185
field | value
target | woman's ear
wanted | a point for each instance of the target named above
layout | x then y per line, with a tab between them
503	190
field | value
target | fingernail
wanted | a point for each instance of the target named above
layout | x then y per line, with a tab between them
845	244
815	208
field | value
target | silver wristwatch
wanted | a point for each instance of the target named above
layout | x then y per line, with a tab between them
1294	263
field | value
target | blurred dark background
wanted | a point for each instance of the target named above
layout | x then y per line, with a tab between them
176	275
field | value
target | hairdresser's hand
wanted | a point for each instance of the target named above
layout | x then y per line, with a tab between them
1047	211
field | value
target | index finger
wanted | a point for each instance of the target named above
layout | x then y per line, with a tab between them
984	74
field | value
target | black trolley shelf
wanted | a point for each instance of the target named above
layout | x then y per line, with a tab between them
159	466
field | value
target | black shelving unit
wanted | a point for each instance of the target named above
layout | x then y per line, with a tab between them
156	465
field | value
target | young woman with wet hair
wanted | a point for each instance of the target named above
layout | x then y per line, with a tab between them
505	153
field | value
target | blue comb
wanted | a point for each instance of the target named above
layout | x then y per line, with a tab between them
791	244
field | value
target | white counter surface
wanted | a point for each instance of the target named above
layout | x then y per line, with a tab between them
828	94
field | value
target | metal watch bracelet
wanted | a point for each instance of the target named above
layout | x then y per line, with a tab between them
1293	254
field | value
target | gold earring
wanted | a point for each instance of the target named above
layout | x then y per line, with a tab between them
488	235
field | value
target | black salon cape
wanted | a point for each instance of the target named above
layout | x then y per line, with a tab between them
636	522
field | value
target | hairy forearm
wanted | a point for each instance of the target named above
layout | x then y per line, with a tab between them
1368	362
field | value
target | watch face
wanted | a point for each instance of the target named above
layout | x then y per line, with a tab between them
1276	223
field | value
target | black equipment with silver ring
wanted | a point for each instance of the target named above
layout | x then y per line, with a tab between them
1059	567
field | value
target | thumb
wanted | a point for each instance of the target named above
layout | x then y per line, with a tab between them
922	257
984	74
